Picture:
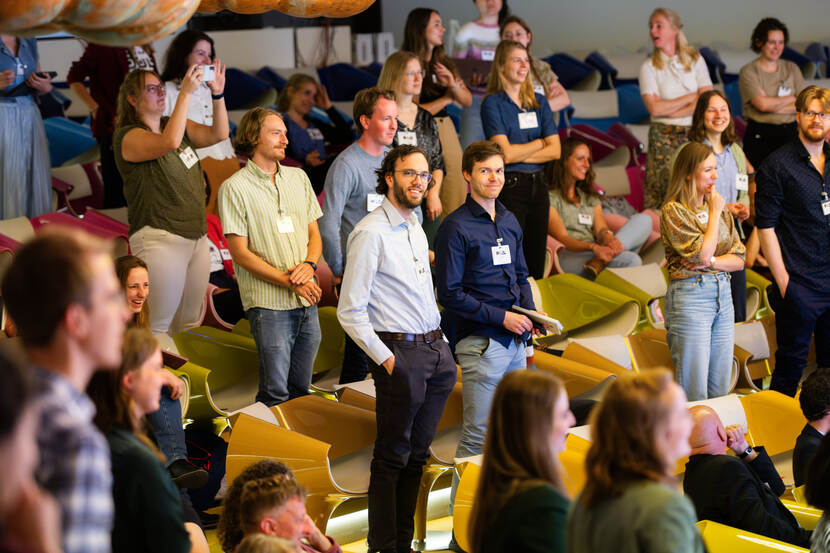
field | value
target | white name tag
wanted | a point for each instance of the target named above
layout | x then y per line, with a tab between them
784	90
742	182
825	207
188	157
314	133
539	89
285	225
488	55
501	255
421	271
20	70
373	201
527	120
225	253
703	217
407	137
585	218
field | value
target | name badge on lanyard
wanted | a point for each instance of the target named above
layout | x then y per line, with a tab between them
314	133
488	55
20	68
501	253
527	120
285	224
825	204
784	90
373	201
188	157
741	182
407	137
703	217
225	254
585	218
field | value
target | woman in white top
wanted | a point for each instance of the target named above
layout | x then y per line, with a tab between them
478	39
768	87
670	82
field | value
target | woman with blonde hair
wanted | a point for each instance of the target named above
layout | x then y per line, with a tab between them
670	82
402	74
702	247
629	504
520	121
521	502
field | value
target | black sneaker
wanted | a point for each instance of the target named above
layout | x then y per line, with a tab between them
209	521
186	475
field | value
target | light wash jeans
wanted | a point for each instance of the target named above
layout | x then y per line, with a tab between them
632	235
287	343
483	362
700	329
179	270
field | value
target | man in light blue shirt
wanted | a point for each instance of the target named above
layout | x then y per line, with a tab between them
387	306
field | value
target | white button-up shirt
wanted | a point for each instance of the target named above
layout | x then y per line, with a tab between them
387	285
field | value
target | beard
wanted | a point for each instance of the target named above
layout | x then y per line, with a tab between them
403	200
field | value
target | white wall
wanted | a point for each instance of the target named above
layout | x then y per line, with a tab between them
579	25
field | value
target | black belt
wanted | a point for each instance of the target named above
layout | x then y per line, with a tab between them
429	337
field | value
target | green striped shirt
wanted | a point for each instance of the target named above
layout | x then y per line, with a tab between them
250	205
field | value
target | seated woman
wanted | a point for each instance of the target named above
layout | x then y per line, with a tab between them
148	509
166	422
307	137
702	246
521	503
577	221
639	431
712	125
818	495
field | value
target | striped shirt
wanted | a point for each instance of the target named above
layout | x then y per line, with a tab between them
250	205
74	464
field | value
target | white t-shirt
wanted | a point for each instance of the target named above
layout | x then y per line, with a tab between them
200	110
476	41
673	81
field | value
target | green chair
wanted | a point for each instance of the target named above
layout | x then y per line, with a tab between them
645	283
756	284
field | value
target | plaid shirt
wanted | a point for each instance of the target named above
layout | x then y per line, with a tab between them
74	464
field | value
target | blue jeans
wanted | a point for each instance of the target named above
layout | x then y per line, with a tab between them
632	235
167	427
700	329
287	343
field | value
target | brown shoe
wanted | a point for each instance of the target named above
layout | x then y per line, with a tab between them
594	266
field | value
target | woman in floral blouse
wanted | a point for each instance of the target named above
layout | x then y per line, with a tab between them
702	247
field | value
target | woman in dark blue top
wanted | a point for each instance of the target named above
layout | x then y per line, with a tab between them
306	137
520	121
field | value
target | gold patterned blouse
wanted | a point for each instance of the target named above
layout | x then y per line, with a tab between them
682	232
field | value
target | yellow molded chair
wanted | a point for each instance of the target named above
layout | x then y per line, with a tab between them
775	420
720	538
645	283
184	399
586	308
754	351
806	516
756	282
799	494
577	377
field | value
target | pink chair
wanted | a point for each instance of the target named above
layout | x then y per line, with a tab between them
553	248
98	219
636	180
210	316
78	187
122	245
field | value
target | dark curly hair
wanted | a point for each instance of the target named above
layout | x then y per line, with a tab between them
387	167
760	33
175	60
815	395
229	530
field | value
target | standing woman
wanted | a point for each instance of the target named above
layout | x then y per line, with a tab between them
769	86
712	125
25	182
638	432
545	81
520	121
521	503
478	39
702	248
670	82
165	191
442	85
402	74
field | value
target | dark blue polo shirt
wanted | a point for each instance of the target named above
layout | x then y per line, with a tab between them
788	199
469	284
500	115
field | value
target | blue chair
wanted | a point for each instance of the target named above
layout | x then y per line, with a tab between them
713	63
244	91
67	139
268	75
606	70
573	73
808	67
343	81
819	54
733	94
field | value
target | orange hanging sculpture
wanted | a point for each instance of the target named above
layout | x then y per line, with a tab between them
131	22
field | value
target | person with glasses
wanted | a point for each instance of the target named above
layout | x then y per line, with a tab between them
402	73
482	274
792	213
768	87
520	121
165	190
387	306
350	195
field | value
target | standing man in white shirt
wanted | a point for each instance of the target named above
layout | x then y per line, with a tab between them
387	306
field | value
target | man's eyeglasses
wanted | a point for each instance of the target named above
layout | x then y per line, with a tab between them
815	114
411	174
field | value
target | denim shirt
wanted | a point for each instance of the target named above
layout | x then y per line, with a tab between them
27	57
469	284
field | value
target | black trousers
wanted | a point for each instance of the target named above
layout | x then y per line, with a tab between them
113	184
738	284
526	196
761	139
800	314
409	405
355	363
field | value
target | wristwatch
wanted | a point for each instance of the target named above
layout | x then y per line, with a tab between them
748	451
313	264
711	260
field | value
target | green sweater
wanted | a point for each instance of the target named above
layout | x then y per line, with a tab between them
648	517
531	521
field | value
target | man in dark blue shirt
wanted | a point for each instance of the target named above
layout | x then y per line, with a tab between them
792	205
481	274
